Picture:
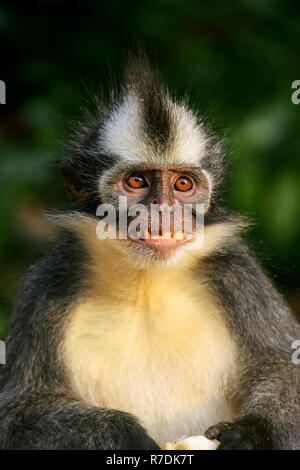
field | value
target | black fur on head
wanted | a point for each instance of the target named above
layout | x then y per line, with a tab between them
155	105
161	124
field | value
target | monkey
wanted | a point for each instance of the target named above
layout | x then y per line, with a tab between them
127	343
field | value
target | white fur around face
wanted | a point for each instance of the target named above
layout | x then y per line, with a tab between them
122	135
153	344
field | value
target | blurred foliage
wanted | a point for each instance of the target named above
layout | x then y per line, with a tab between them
236	60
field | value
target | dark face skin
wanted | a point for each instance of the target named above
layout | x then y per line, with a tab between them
169	186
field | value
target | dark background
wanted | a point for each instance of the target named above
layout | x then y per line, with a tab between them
237	60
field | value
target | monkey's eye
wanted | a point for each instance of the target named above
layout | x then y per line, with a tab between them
183	183
137	182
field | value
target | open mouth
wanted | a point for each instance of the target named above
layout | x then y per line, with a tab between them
163	241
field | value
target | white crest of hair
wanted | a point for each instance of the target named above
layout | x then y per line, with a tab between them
190	142
123	135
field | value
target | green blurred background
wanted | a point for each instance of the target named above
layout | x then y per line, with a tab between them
237	60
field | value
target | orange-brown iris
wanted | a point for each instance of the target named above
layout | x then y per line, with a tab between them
182	183
136	181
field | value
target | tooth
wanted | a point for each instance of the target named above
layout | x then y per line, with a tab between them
166	235
179	236
145	234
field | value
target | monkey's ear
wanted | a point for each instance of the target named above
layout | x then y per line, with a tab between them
73	182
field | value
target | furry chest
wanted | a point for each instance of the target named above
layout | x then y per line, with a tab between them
167	362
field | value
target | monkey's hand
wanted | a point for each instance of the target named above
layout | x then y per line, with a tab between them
242	434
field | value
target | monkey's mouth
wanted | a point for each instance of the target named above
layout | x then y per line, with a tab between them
163	241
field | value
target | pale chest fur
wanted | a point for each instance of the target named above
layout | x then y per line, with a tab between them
158	349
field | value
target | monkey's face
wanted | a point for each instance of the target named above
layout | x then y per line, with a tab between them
155	153
163	208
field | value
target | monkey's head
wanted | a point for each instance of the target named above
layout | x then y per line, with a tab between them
153	150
